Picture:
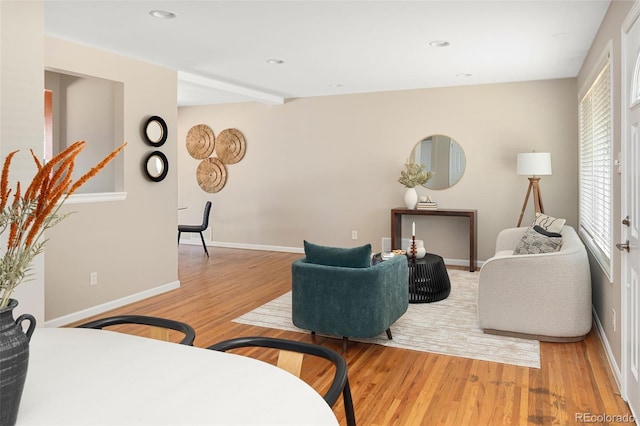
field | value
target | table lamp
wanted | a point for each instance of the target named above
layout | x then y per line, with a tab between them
534	164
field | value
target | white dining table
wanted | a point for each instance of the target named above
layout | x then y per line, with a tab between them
97	377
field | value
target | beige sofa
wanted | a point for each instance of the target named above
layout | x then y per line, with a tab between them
544	296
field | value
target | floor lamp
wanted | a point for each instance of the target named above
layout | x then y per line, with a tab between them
533	164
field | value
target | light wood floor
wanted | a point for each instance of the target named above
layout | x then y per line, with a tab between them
391	386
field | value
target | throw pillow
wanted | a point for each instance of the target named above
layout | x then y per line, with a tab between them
549	223
356	257
533	242
543	231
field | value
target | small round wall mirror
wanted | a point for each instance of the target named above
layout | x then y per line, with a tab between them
444	157
156	166
155	131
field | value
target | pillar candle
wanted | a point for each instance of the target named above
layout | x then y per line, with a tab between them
413	230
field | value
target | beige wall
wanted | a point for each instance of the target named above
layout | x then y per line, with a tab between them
606	295
22	114
131	244
318	168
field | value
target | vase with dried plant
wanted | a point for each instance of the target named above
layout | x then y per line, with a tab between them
414	174
26	216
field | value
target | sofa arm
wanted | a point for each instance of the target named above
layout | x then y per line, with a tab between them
508	238
541	294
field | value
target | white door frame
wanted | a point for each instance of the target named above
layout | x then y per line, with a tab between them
628	23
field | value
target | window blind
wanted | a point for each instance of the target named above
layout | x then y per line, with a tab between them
595	167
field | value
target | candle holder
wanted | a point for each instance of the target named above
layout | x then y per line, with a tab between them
413	250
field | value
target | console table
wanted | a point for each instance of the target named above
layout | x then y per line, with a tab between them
396	227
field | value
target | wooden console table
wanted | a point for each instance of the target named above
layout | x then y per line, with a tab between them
396	227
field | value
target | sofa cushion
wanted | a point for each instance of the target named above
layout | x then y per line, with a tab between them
549	223
533	242
356	257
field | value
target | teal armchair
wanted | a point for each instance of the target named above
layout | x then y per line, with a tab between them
349	301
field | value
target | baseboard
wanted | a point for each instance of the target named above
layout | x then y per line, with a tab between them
258	247
242	246
617	375
96	310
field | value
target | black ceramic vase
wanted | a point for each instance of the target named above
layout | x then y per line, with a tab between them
14	360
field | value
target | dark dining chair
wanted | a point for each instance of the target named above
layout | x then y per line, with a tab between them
159	326
290	359
198	228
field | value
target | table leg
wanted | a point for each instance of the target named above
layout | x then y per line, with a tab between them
472	242
396	230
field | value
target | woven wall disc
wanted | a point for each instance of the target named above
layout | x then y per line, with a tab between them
200	141
230	146
211	175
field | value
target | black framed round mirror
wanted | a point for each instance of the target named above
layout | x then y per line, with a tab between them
156	166
155	131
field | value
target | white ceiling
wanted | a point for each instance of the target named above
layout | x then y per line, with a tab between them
220	48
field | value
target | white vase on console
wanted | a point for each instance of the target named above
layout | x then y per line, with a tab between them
411	198
420	250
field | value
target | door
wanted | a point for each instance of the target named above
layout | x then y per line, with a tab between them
630	234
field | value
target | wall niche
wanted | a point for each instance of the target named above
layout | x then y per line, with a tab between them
86	108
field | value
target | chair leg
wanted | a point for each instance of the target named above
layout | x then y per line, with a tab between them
203	244
179	237
389	336
345	341
348	405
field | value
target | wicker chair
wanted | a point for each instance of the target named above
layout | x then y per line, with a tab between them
288	350
159	326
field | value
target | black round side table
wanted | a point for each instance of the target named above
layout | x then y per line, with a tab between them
428	278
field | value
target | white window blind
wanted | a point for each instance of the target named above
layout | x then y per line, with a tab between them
595	167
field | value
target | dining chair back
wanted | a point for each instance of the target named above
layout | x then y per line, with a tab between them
198	228
159	326
290	359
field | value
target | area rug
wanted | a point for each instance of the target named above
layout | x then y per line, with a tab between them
448	327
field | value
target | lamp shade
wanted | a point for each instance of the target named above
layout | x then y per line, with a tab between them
534	164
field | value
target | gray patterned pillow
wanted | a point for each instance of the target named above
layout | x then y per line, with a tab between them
533	242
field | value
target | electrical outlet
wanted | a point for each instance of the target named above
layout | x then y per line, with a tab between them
354	235
93	278
613	314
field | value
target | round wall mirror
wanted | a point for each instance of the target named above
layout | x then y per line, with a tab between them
444	157
155	131
156	166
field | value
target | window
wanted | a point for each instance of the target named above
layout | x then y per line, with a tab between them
595	167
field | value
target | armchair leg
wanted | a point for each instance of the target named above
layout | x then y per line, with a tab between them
389	336
345	341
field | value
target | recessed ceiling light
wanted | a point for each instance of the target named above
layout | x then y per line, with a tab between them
560	36
335	85
463	75
162	14
439	43
275	61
